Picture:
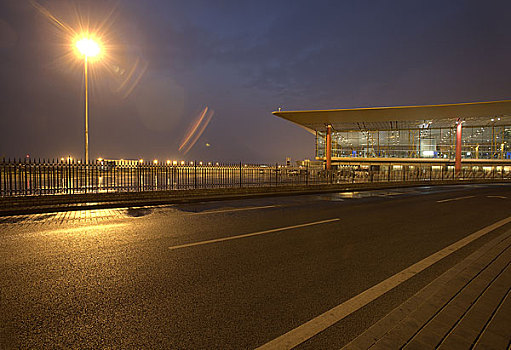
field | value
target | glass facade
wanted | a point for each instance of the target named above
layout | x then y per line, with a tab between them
478	142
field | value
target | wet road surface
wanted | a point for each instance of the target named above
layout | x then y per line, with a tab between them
227	274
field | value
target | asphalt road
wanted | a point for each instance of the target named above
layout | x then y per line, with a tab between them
149	278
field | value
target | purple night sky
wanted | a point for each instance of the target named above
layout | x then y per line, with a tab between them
169	60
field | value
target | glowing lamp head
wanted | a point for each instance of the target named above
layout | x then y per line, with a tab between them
88	47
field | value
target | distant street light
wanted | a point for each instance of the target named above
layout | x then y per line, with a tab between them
87	47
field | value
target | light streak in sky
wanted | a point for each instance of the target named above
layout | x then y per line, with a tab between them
196	129
132	79
54	20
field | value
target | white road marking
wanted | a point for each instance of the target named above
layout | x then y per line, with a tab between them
454	199
233	209
252	234
501	197
320	323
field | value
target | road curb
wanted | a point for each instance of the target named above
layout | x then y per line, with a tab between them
412	315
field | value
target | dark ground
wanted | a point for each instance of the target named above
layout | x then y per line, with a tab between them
107	278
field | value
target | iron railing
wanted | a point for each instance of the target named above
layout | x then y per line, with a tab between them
35	178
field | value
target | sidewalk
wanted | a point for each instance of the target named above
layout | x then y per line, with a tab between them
469	306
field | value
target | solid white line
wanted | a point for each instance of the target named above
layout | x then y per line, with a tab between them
320	323
252	234
234	209
454	199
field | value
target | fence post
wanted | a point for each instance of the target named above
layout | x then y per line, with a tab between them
10	178
136	183
24	177
85	175
240	173
195	174
276	174
307	175
172	176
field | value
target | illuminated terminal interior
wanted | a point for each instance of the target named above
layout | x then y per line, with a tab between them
484	139
414	133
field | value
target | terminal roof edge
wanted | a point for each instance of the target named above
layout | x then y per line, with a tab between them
444	114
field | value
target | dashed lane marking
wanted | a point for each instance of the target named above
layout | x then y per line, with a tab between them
252	234
454	199
501	197
232	210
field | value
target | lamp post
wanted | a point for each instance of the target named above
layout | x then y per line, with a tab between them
88	48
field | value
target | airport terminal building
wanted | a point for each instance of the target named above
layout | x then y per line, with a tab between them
452	135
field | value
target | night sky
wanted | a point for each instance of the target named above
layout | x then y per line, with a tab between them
169	60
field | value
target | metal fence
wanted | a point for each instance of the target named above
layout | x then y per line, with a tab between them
28	177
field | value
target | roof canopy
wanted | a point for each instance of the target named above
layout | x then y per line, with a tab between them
402	117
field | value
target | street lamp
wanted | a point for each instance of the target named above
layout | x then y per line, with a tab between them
87	47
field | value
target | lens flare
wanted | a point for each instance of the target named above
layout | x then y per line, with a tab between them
88	47
132	78
196	130
90	34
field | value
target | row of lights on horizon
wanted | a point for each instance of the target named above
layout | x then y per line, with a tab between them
168	162
141	161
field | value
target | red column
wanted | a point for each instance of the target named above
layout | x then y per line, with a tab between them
457	163
328	146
